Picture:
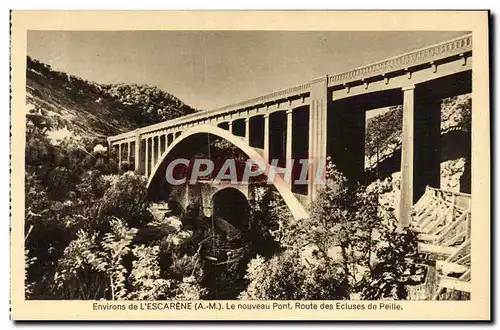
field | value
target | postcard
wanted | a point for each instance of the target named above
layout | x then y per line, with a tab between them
250	165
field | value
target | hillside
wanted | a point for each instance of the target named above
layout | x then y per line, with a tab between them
384	133
84	108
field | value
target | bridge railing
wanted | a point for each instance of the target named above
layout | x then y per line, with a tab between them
417	57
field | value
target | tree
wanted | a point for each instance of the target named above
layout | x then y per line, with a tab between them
378	257
126	199
288	276
293	273
395	267
92	270
74	197
354	237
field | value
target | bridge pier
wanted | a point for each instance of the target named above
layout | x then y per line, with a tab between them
317	132
247	130
120	156
407	169
152	148
266	137
146	157
129	153
137	152
289	142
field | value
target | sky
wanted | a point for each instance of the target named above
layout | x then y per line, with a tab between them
211	69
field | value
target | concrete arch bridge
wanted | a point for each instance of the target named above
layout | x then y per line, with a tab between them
322	117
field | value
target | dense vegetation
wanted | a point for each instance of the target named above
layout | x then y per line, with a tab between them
87	223
91	234
349	248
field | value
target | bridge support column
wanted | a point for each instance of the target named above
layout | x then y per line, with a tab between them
137	152
158	149
266	137
165	145
247	130
317	132
230	127
146	163
153	149
407	150
129	151
119	156
289	157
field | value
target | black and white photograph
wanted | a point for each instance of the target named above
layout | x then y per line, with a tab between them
249	169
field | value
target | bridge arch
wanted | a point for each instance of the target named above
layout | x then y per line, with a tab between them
237	212
296	208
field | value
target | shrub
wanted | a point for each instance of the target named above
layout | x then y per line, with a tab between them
127	199
289	277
